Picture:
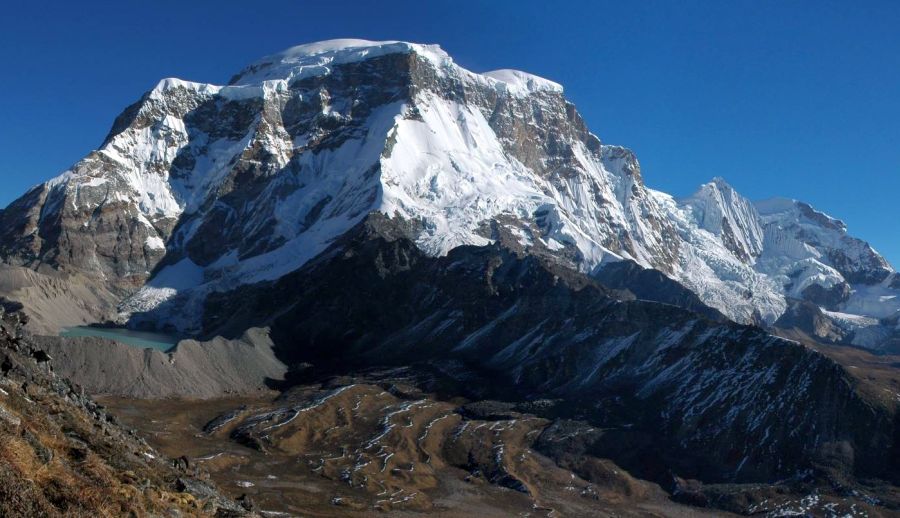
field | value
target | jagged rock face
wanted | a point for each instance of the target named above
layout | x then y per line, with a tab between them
809	318
894	282
716	401
752	261
828	298
199	188
652	285
20	220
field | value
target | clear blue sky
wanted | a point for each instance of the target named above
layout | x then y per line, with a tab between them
799	99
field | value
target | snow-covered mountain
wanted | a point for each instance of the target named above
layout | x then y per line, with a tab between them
202	188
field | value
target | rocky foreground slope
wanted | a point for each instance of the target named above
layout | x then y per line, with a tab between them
61	454
199	188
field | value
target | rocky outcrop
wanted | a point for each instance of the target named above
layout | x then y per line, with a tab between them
652	285
828	298
808	318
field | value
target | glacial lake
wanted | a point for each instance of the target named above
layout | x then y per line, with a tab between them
142	339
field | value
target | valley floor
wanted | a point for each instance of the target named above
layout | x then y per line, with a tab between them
365	449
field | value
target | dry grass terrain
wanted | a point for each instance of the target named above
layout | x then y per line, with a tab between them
356	449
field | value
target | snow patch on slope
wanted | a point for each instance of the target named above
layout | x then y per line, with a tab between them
450	170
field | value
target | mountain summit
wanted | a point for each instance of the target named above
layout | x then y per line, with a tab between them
200	189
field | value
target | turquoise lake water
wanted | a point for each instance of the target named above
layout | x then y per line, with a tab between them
140	339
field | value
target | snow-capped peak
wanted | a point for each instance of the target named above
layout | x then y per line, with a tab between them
799	230
719	209
798	209
164	85
314	59
517	81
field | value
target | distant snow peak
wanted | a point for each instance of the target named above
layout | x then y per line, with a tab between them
788	208
719	209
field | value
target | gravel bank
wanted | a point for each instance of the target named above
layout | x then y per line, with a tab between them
201	370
